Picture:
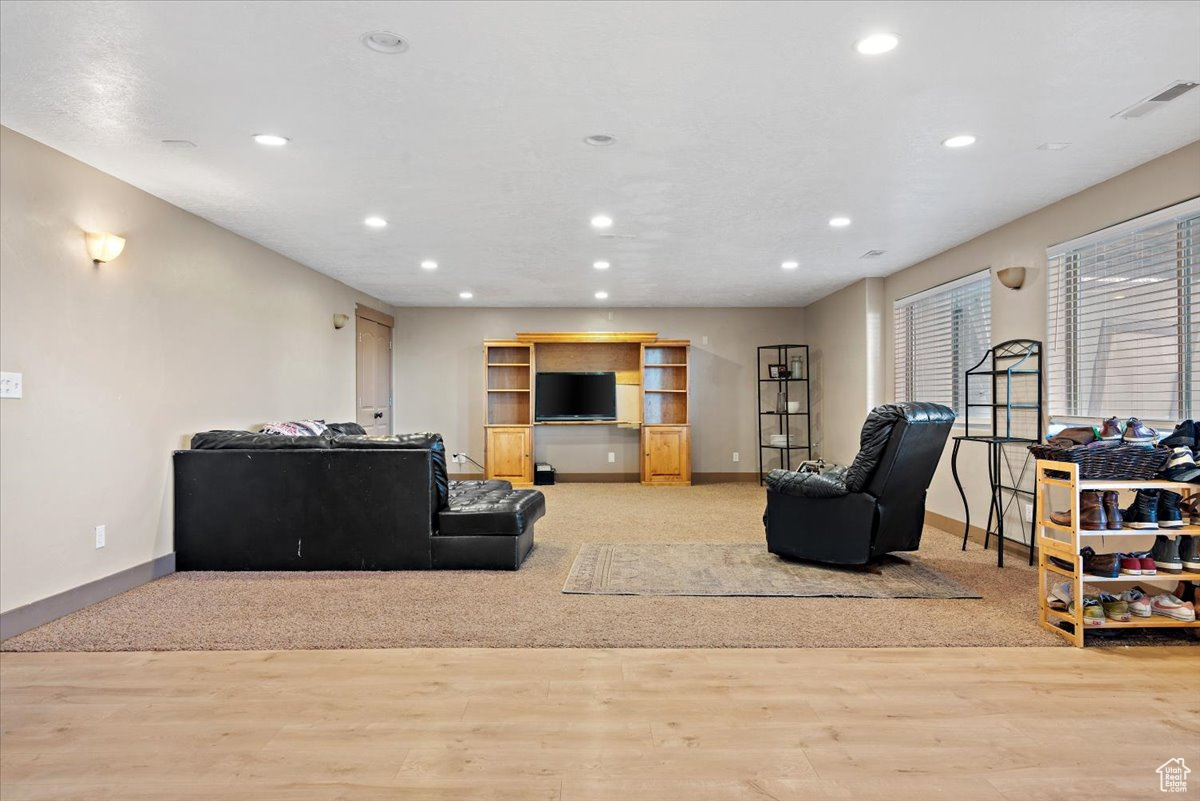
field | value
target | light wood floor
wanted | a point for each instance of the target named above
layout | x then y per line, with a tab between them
968	723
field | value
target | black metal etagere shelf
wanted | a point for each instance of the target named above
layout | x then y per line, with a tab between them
775	368
1009	376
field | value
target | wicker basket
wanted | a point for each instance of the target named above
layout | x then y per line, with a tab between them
1112	462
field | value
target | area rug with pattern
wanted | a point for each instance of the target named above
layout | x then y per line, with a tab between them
745	569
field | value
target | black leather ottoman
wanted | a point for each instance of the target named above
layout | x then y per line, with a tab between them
486	527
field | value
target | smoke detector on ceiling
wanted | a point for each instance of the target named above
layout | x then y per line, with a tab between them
1144	107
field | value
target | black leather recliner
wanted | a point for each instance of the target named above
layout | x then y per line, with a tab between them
873	507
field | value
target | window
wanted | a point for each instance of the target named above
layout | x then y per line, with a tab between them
940	334
1124	319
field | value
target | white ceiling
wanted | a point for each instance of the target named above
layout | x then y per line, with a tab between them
742	126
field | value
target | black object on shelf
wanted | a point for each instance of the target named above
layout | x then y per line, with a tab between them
786	367
1011	379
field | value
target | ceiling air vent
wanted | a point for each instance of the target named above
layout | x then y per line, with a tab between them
871	254
1144	107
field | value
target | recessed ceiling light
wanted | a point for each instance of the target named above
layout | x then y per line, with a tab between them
962	140
602	295
429	264
839	222
600	140
601	221
375	222
1054	146
384	42
877	43
601	265
274	140
465	295
790	265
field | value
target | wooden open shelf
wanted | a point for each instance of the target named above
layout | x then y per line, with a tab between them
652	384
1069	540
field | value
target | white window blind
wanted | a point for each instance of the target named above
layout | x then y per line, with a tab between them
940	334
1124	319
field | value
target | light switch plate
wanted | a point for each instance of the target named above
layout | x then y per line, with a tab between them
10	385
101	536
612	457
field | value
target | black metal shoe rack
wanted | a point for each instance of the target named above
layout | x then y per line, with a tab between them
772	420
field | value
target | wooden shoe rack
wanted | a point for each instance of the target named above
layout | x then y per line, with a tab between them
1065	543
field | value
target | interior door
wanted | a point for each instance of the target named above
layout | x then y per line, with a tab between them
374	376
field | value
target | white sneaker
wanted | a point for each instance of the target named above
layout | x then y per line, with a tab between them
1062	592
1168	605
1139	603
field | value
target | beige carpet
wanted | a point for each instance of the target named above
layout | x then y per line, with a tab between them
215	611
734	568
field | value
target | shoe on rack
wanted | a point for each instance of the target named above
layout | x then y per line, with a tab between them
1184	435
1100	565
1189	553
1142	514
1181	466
1056	604
1115	607
1168	605
1138	433
1166	554
1149	568
1062	592
1062	564
1191	508
1111	501
1110	429
1061	518
1093	611
1169	515
1130	565
1091	511
1139	602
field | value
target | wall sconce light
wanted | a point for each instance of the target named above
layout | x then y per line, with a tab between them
340	320
104	247
1012	277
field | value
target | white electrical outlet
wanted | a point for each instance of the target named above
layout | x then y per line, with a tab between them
101	534
10	385
737	457
612	458
1028	507
703	340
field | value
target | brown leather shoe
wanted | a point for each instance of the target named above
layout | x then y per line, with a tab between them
1091	511
1112	509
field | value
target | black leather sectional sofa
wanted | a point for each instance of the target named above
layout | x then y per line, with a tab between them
247	501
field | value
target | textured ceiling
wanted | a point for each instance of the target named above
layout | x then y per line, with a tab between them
742	126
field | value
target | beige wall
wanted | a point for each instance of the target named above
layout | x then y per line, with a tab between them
191	328
842	331
1017	314
439	355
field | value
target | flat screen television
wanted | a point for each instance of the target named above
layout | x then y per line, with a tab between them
576	396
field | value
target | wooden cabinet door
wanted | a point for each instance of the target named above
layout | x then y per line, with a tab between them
666	457
509	454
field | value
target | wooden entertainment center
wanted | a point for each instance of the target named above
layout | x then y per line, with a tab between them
652	395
